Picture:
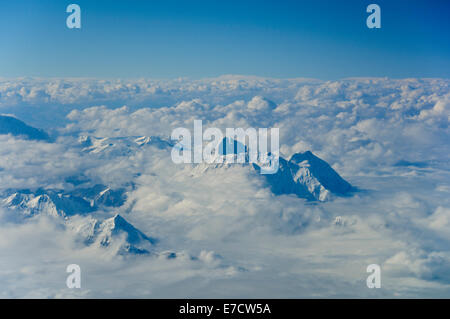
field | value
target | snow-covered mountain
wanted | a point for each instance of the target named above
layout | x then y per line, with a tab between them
311	167
74	210
307	176
60	203
110	231
304	175
47	202
120	146
13	126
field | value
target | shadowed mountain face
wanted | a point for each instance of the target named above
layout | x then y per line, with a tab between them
13	126
304	175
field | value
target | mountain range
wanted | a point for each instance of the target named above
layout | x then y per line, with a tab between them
304	175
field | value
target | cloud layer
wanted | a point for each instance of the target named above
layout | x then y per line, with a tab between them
231	235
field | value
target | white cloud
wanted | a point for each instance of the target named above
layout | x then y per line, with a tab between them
388	137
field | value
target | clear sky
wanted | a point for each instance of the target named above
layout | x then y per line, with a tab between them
168	39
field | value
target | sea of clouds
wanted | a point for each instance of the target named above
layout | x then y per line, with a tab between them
232	236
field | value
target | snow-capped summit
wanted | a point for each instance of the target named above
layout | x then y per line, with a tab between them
14	126
47	202
101	195
322	172
30	205
60	203
304	175
307	176
157	141
114	231
118	224
120	146
75	210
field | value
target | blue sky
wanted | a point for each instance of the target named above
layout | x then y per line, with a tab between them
168	39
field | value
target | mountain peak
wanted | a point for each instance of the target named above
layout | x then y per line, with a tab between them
113	232
307	176
118	222
323	172
14	126
120	146
135	241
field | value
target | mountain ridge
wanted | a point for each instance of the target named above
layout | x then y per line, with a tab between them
15	127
